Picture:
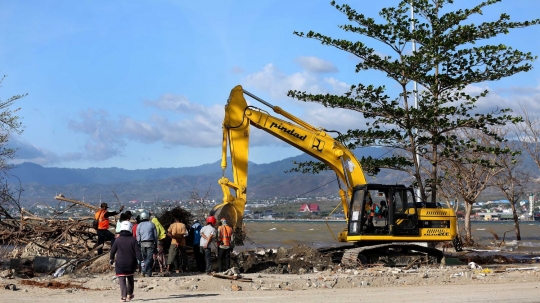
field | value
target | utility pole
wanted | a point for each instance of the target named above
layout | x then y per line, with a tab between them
415	94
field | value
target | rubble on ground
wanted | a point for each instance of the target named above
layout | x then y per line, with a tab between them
70	245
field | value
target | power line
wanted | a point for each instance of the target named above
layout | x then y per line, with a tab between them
316	188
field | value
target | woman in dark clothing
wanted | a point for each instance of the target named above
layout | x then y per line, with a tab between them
127	253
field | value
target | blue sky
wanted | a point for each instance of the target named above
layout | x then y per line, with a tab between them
142	84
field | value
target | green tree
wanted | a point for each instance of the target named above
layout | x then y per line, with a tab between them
452	53
9	124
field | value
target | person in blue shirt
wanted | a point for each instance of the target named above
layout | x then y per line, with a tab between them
147	237
195	230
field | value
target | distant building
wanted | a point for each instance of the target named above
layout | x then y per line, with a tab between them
312	208
495	216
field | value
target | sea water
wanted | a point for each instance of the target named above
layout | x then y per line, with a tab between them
316	234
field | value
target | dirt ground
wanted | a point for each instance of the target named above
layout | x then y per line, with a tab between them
301	274
443	284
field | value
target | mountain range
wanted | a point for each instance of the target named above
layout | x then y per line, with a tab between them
266	181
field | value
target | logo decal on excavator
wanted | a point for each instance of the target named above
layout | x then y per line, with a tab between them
436	232
288	131
317	145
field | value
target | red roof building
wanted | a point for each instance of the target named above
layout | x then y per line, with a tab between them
309	208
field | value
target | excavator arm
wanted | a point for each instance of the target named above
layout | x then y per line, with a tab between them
313	141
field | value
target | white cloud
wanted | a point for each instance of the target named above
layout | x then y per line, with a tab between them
273	81
181	104
237	70
338	87
336	119
199	126
512	98
27	152
276	83
316	65
104	139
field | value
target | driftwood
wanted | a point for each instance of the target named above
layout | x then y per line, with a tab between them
49	237
236	278
80	258
61	197
71	238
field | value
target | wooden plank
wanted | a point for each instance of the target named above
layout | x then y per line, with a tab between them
236	278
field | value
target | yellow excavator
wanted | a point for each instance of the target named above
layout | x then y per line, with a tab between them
384	222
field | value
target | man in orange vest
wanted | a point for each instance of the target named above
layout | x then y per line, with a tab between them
103	233
224	252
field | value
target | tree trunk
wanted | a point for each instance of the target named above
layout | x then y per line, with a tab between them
516	221
468	234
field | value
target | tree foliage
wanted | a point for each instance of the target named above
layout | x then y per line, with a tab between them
453	53
513	180
9	124
466	176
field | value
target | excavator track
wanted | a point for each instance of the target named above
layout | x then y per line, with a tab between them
391	254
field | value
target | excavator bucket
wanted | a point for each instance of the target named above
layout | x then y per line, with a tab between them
233	217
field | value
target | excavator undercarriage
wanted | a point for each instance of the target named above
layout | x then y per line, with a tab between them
391	254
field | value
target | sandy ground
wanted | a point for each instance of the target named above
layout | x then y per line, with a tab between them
508	283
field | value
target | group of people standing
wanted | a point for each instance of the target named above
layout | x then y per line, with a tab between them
139	245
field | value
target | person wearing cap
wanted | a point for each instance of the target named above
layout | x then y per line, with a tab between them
224	252
103	233
127	253
195	231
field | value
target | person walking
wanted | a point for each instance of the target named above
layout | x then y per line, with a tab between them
195	231
208	233
147	238
103	233
126	252
224	252
177	231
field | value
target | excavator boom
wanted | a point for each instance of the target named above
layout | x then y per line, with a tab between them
375	213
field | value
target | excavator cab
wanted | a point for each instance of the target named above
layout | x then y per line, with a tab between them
378	209
385	214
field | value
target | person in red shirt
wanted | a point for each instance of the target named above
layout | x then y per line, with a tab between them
134	230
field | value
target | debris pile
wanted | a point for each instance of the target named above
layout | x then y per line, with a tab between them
167	218
55	285
33	236
72	240
297	260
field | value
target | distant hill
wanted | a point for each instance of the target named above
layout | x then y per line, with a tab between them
33	173
269	180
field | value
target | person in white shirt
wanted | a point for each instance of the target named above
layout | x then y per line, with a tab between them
208	233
